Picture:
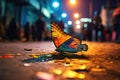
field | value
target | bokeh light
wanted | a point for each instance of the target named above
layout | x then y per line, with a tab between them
76	15
78	26
77	21
64	15
55	4
81	76
57	71
69	22
72	1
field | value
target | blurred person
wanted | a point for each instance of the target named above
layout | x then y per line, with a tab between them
71	30
94	29
94	32
18	30
27	31
94	26
100	33
22	38
100	36
40	28
114	30
108	34
33	31
89	31
84	33
117	27
47	35
2	28
12	30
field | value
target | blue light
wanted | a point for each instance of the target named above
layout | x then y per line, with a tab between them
69	22
64	15
55	4
35	3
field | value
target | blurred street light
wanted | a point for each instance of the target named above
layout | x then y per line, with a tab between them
85	20
77	21
69	22
64	15
72	1
85	25
55	4
76	15
78	26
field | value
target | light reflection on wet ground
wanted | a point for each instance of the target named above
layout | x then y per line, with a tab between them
73	66
76	66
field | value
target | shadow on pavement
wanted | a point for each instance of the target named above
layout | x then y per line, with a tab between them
56	56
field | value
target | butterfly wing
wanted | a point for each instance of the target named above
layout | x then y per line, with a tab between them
65	42
58	36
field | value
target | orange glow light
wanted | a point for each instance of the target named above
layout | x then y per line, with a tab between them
78	26
77	21
73	1
76	15
81	76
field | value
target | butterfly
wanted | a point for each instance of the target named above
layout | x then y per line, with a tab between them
65	42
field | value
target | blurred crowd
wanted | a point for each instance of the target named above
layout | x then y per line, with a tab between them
97	32
13	31
94	31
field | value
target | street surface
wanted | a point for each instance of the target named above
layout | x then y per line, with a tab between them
39	61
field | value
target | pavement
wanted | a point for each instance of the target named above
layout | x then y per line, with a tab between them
40	61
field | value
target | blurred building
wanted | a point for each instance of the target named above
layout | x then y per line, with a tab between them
107	13
106	17
27	10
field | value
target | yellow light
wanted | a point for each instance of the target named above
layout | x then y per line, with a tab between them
81	76
77	21
34	55
72	1
98	70
76	15
78	26
57	71
83	67
70	74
